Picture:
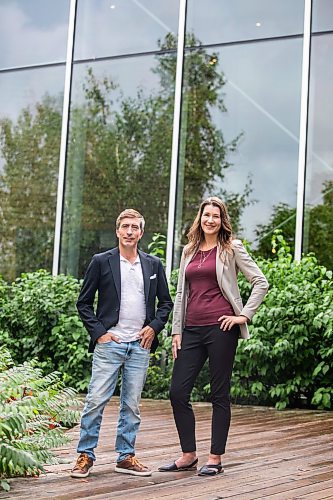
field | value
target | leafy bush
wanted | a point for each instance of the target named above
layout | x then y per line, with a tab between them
38	319
289	358
287	362
33	412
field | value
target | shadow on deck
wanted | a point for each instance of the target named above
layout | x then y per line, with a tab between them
270	454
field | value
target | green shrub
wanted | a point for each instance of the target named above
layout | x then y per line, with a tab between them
287	362
38	319
33	412
289	359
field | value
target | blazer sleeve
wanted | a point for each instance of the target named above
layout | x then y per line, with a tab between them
85	302
254	275
164	304
177	319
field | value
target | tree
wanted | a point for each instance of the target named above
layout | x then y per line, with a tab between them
28	187
318	226
318	222
119	155
283	217
120	150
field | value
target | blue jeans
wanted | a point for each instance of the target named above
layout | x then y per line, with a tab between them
108	358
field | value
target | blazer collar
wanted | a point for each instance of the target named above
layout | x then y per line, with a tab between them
147	268
114	261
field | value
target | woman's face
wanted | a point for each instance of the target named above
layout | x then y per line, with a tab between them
211	220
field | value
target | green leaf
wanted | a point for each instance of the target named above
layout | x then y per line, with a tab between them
5	485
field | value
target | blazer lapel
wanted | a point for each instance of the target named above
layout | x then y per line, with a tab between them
219	266
114	261
146	265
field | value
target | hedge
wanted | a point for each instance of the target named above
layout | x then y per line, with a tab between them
287	362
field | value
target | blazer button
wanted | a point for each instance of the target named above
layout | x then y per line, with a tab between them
117	309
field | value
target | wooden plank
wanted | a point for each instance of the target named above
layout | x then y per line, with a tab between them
270	455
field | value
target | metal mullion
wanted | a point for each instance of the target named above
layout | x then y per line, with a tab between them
64	136
302	151
176	135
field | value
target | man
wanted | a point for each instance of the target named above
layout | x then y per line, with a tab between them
123	330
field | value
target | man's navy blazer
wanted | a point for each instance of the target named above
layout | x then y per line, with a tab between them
103	276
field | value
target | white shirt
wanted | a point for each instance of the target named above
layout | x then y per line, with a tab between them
132	312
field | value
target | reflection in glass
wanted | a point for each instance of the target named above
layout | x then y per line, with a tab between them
218	21
239	139
33	32
112	27
119	152
322	15
30	128
319	169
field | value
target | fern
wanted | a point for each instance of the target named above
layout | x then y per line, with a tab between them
34	410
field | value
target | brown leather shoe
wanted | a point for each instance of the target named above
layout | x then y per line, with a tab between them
131	465
82	467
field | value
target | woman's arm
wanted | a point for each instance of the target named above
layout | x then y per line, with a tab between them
177	313
259	284
254	275
177	320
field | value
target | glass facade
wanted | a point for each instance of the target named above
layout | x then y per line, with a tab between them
33	32
322	17
222	21
107	28
318	221
240	136
32	70
119	152
240	109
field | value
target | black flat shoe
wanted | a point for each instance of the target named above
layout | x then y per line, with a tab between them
211	470
173	467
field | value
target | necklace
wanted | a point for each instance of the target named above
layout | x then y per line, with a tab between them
204	257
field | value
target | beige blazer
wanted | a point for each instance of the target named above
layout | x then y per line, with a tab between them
227	267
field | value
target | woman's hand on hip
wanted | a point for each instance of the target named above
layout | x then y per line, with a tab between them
176	344
229	321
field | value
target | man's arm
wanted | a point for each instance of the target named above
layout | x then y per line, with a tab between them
85	302
164	304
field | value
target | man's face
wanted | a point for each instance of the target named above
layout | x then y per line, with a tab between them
129	232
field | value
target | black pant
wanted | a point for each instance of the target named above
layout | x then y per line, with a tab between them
219	346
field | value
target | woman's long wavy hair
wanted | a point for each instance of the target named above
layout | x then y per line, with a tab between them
196	235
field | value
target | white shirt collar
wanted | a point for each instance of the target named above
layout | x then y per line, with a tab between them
123	259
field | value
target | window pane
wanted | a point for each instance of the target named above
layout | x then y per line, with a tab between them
33	32
30	129
119	153
322	15
112	27
319	170
240	137
218	21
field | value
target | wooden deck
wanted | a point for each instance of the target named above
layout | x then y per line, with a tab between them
275	455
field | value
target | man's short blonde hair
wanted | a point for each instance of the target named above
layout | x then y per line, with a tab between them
131	214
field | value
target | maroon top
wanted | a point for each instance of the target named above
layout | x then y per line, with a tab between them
205	302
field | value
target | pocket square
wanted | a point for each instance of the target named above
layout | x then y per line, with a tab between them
152	277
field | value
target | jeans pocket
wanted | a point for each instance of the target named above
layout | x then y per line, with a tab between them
143	348
104	343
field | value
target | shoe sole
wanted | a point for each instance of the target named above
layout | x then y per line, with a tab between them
180	469
132	472
77	475
213	474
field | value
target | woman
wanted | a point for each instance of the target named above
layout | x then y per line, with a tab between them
208	319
